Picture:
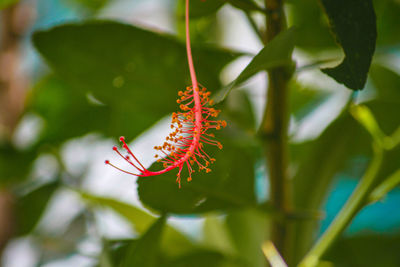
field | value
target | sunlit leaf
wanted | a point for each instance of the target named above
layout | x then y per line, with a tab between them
354	25
216	236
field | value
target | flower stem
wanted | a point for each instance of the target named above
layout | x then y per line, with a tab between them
189	49
352	206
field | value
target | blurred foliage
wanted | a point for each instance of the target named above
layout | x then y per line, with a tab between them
367	250
6	3
114	79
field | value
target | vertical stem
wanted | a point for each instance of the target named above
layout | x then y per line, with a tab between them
274	133
350	209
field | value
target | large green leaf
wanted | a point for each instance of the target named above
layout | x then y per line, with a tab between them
135	73
145	251
354	25
230	184
277	53
30	206
67	113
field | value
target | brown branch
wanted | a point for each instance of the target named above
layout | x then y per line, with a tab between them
15	20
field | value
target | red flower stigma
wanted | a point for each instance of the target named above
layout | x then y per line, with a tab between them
184	146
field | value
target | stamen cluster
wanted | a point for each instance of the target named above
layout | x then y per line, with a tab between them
185	145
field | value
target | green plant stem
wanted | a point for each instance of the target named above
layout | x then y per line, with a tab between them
357	200
273	132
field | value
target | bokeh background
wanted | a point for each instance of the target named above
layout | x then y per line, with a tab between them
49	155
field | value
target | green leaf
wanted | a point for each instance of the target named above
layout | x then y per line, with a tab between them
387	83
216	236
277	53
145	251
366	251
238	108
204	257
312	28
140	221
388	24
30	207
6	3
230	184
354	25
135	73
247	229
200	8
66	112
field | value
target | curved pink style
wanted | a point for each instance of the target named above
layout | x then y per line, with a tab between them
185	145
